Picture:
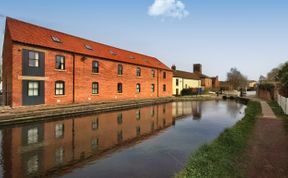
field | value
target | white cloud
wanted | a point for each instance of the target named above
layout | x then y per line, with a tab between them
168	8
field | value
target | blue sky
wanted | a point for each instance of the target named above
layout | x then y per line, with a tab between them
251	35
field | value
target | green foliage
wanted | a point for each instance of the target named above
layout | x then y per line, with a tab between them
277	110
189	91
220	158
266	86
283	75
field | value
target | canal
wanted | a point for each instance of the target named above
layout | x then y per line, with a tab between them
153	141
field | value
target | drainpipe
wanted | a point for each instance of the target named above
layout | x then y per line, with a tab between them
158	74
73	88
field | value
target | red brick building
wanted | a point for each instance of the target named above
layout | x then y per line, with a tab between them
43	66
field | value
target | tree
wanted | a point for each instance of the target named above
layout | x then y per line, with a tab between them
283	79
283	75
262	79
236	79
273	74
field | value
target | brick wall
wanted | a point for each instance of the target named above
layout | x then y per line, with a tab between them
107	79
7	69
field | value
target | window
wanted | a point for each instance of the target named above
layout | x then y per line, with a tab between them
164	87
153	73
59	155
152	112
33	59
152	126
138	115
59	130
88	47
33	88
120	118
119	88
32	135
120	69
164	108
94	144
59	88
164	75
56	39
112	53
152	88
95	124
60	62
95	88
131	57
33	164
138	88
138	71
120	136
177	82
95	66
138	130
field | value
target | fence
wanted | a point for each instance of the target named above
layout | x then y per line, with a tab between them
283	102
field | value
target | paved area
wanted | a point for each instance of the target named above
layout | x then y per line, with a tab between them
268	147
267	111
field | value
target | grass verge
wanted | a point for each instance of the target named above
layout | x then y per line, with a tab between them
277	110
221	157
279	113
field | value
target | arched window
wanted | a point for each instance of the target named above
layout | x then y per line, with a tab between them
138	88
138	71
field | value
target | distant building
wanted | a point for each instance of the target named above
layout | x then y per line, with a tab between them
182	80
252	84
47	67
215	83
206	81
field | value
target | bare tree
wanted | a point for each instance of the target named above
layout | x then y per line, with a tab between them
262	79
236	79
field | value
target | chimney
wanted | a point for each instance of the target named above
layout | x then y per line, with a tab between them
173	67
197	68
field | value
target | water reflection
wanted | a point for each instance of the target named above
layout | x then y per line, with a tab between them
57	147
39	149
182	109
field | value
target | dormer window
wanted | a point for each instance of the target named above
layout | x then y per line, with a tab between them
112	53
88	47
56	39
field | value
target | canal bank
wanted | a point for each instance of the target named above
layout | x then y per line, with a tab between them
21	115
221	158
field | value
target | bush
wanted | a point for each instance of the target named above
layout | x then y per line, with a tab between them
189	91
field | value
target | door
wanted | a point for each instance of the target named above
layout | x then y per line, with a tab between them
32	92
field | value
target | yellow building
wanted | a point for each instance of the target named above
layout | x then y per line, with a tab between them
182	80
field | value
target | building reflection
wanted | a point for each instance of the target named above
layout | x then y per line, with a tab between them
183	109
46	148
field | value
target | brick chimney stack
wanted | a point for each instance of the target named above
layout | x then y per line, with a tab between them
197	68
173	67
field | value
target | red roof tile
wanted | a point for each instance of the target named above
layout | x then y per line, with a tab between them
35	35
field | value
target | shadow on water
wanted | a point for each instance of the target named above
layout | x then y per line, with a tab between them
60	147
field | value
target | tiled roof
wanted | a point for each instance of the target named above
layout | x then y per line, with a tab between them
187	75
202	75
35	35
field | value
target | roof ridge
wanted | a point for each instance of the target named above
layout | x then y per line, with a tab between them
82	38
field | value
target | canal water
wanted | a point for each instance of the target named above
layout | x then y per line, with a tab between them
153	141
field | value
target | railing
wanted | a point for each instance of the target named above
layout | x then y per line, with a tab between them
283	102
